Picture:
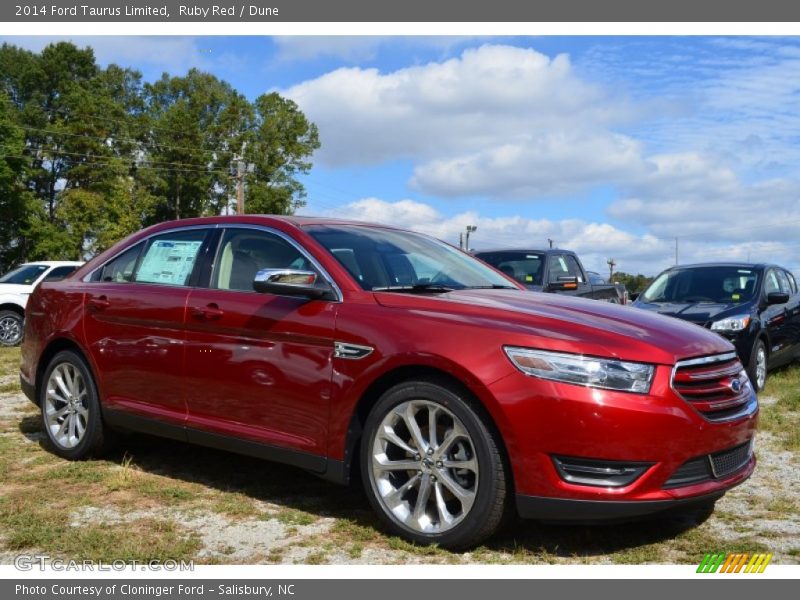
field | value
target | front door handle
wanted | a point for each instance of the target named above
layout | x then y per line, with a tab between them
208	312
99	303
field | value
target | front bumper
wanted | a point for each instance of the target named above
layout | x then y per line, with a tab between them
583	511
542	419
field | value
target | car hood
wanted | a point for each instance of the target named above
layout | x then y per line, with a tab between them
568	324
696	312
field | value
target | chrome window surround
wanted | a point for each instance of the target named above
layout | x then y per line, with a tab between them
325	275
747	409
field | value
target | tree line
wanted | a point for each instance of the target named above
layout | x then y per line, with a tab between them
90	154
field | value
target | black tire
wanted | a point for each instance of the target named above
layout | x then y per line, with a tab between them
492	491
11	328
752	368
95	438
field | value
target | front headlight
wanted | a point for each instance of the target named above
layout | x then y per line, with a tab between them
609	374
737	323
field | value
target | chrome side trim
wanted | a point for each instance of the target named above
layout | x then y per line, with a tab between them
704	360
88	277
325	275
351	351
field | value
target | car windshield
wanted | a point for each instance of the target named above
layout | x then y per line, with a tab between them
720	285
24	275
386	259
525	267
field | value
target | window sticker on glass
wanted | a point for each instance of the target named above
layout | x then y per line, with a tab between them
168	262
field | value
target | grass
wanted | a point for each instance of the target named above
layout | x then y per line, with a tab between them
145	497
783	418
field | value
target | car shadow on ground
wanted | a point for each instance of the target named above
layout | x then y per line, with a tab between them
293	488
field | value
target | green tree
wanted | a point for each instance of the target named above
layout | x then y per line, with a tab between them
91	154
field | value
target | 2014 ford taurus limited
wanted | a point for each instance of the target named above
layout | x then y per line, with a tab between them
345	348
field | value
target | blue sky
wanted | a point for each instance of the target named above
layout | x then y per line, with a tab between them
613	146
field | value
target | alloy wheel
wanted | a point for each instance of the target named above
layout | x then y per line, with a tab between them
424	467
10	331
66	405
761	367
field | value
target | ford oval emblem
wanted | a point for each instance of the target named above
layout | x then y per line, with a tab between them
736	385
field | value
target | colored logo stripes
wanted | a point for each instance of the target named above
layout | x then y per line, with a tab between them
734	563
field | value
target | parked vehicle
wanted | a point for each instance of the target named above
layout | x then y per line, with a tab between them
342	347
755	306
555	270
16	286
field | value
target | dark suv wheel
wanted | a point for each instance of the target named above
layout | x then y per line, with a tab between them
432	468
757	369
71	408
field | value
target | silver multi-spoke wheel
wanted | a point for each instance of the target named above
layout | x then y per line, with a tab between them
424	467
66	409
761	367
10	330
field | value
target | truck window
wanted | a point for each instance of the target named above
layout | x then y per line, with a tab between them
565	265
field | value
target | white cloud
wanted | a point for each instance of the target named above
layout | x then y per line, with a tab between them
554	164
488	97
594	241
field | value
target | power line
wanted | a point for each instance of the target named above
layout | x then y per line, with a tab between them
152	144
137	166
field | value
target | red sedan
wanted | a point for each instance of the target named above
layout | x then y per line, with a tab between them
341	347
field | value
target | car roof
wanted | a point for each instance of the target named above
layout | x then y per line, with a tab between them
526	250
741	265
293	220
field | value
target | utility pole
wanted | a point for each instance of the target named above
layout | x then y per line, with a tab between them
240	187
461	240
550	241
676	250
611	264
470	229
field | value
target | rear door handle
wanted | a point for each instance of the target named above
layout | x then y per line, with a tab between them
99	303
209	312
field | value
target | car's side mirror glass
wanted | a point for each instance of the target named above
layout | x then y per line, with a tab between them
291	282
565	282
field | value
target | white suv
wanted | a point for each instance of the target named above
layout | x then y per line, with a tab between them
17	285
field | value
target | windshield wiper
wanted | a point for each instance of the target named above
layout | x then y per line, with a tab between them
495	286
416	288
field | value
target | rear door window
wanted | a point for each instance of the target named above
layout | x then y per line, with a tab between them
169	259
59	273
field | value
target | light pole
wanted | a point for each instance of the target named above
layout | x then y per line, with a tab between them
470	229
611	264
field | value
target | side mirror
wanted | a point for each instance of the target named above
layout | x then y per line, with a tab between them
564	283
777	298
290	282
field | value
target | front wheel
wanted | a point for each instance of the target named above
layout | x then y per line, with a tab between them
432	467
11	323
757	370
71	408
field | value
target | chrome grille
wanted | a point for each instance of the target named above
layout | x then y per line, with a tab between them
717	386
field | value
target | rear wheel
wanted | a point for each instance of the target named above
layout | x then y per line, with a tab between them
757	370
432	468
71	409
11	323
